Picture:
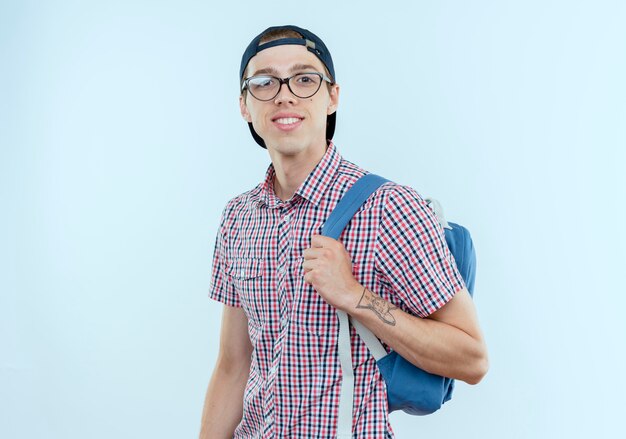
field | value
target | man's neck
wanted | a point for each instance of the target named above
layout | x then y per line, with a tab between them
291	171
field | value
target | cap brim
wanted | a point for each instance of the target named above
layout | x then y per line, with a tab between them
331	121
256	137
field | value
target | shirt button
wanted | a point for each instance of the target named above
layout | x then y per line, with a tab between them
286	218
272	370
242	273
281	269
284	320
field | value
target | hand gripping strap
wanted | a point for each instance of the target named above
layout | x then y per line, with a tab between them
460	244
341	215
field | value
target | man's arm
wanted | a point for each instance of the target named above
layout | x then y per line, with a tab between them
223	405
448	342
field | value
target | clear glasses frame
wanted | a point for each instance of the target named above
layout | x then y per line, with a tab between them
246	84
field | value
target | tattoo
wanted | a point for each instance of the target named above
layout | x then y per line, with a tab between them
380	306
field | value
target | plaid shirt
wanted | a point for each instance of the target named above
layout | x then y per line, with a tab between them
398	251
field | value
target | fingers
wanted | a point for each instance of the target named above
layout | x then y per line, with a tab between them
318	241
311	264
310	253
319	253
314	258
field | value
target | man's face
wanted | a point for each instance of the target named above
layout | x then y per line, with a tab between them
274	120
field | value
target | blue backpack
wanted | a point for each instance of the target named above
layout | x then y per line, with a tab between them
409	388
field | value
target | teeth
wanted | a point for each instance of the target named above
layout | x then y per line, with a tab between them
287	120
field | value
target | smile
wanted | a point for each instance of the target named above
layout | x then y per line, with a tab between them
287	120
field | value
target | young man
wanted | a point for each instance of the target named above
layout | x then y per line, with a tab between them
278	373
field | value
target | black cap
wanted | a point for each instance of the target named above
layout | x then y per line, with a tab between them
313	44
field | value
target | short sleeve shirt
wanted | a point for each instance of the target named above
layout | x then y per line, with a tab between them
398	251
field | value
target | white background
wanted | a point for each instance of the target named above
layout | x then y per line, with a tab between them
121	142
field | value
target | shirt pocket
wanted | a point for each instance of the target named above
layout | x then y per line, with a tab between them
249	276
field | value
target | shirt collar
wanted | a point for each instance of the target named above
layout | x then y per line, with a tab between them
313	187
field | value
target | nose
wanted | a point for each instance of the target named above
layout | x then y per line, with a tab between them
284	95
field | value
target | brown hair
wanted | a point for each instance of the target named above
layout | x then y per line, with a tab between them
277	34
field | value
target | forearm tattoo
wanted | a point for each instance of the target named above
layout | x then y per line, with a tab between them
380	306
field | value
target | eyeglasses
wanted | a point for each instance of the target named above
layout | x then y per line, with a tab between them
266	87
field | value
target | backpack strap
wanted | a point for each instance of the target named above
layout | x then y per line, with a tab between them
460	244
351	201
341	215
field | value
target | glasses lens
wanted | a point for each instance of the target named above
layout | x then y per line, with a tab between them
305	85
263	87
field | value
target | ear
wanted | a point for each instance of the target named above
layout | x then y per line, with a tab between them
334	99
243	108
